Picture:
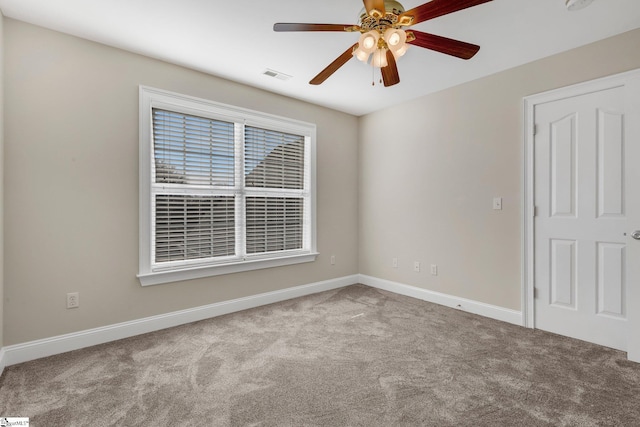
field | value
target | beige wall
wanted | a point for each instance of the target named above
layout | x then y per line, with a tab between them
72	186
1	178
430	168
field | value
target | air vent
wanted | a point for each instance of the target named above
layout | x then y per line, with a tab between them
577	4
276	74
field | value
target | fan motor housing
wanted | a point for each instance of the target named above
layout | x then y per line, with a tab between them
389	19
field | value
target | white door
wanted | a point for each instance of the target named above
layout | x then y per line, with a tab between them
583	185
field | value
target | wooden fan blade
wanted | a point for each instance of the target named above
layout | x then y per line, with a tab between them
334	66
374	4
436	8
444	45
390	74
280	27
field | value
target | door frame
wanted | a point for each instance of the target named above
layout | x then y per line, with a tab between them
626	79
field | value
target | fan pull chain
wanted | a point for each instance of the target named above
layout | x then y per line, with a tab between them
373	77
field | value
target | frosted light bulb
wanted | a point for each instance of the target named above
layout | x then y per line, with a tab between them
380	58
361	55
399	52
394	39
369	42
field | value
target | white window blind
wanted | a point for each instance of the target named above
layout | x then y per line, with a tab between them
273	159
192	150
274	224
223	192
193	227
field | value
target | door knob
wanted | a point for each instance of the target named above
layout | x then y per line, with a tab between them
636	234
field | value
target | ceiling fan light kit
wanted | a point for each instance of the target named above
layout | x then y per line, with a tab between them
383	38
375	45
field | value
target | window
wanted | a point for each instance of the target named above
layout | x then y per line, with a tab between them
222	189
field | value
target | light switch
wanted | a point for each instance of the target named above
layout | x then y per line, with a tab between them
497	203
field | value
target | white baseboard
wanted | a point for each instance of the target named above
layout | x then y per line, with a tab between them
475	307
19	353
32	350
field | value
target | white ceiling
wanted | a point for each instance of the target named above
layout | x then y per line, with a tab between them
235	40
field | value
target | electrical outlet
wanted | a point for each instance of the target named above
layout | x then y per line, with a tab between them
394	262
416	266
434	270
73	300
333	260
497	203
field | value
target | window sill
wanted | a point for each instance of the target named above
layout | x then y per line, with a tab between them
160	277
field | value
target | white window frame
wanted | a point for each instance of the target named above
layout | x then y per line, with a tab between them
150	274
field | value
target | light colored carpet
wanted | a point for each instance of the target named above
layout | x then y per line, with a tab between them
350	357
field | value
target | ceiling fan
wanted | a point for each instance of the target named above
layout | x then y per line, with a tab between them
383	39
